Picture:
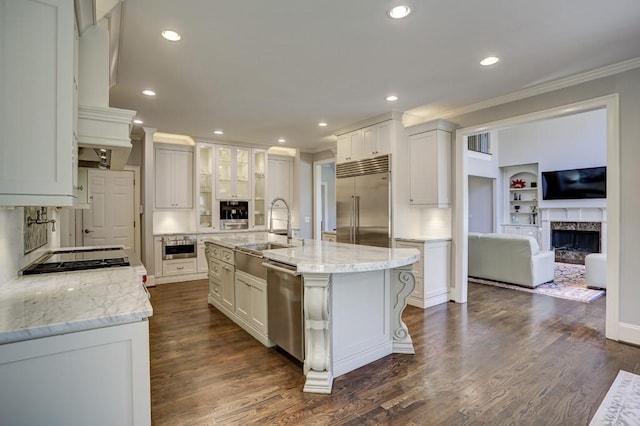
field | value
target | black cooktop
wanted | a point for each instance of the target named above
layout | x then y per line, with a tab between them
78	260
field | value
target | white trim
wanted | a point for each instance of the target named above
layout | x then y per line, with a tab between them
628	333
317	205
545	87
137	188
461	208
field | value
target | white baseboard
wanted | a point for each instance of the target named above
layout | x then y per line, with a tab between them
629	333
429	301
151	281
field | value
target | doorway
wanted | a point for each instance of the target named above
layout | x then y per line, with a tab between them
460	229
324	197
481	202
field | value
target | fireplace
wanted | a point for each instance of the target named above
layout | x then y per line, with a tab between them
573	241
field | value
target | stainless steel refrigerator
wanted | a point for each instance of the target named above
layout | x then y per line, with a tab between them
363	193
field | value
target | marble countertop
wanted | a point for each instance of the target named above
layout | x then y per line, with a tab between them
34	306
424	239
329	257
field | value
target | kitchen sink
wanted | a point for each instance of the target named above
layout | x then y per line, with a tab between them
249	258
264	246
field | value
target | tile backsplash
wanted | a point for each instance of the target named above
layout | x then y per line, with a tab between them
35	235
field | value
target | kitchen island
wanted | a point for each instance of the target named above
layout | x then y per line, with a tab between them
353	298
74	348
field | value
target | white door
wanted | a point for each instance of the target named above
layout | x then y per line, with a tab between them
110	219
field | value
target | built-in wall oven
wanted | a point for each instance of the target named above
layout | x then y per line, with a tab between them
234	215
179	247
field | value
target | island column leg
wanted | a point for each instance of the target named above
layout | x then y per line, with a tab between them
317	334
403	282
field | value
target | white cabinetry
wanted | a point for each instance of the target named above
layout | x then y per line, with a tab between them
94	377
259	210
234	172
207	208
222	273
280	178
251	301
430	168
174	178
202	256
367	142
529	230
432	272
38	148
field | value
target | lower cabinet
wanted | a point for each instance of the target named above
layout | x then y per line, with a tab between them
251	301
178	267
240	296
432	272
329	236
93	377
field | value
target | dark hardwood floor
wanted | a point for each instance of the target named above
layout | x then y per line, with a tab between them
505	357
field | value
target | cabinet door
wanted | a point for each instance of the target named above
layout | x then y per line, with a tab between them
164	179
344	149
357	148
384	138
242	174
182	179
202	258
206	213
225	160
259	305
369	141
430	168
37	93
227	281
243	297
259	189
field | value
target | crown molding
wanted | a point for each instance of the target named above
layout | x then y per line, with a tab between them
546	87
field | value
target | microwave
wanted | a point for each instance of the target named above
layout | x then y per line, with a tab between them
234	215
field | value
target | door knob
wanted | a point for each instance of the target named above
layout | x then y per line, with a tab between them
86	231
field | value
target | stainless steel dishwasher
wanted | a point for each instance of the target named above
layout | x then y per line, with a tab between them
284	307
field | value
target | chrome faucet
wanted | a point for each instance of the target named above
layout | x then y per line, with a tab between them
275	200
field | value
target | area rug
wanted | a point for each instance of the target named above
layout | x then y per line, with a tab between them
621	404
569	283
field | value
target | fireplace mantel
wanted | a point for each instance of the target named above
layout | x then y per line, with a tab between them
572	214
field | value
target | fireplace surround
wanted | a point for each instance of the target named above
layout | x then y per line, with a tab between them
573	241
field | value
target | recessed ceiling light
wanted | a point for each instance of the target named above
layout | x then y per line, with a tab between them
171	35
218	132
489	60
282	140
399	12
148	92
392	98
138	121
322	124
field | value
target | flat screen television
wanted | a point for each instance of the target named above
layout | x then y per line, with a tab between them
575	184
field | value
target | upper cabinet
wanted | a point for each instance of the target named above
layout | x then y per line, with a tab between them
207	213
174	178
259	189
234	173
363	143
430	168
38	147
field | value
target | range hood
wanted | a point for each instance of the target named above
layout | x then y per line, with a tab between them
100	126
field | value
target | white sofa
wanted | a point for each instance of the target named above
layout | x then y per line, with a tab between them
513	259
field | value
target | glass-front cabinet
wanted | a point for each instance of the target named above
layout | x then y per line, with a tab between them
234	173
259	189
207	218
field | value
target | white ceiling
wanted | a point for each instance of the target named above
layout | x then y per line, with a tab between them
261	69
